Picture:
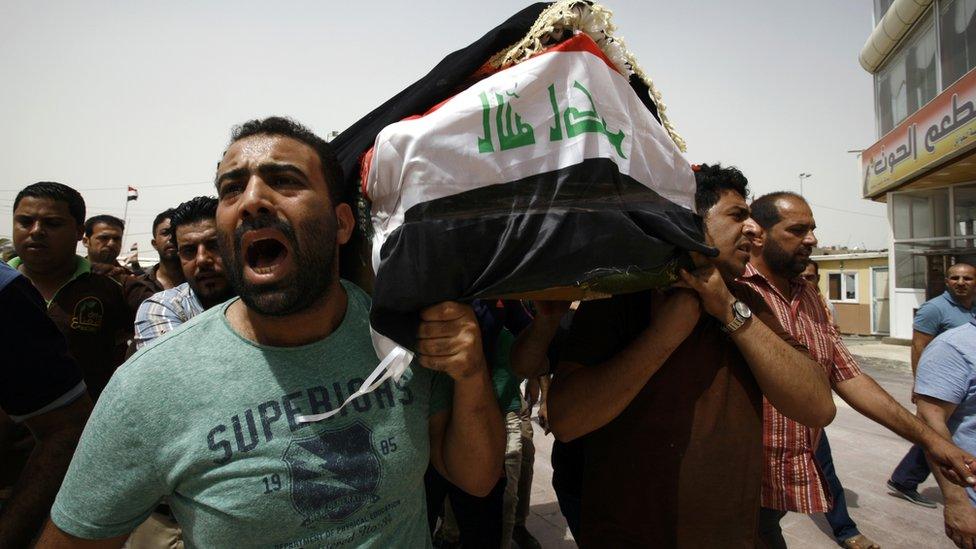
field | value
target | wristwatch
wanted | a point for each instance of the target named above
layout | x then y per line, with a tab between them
740	314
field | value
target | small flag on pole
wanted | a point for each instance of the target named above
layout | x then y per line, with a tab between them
133	194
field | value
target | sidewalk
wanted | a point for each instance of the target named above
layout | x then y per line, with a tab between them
864	454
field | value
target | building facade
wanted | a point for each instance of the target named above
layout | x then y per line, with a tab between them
857	285
922	54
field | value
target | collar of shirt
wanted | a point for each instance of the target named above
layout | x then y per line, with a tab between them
952	301
752	274
82	268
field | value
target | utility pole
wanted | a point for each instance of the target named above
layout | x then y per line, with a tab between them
802	177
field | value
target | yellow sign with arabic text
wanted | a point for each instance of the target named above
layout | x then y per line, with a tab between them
938	131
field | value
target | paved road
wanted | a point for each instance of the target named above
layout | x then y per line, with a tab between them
864	455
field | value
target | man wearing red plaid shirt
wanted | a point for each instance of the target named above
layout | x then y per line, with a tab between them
782	241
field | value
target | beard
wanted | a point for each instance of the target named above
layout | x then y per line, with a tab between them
782	261
208	298
308	282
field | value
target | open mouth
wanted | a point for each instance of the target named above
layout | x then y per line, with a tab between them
264	251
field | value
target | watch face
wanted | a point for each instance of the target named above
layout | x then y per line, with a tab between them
742	309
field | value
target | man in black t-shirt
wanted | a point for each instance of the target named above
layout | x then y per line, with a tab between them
40	386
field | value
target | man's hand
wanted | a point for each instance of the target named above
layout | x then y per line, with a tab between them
449	340
532	392
551	309
960	523
954	463
544	417
676	311
711	288
117	272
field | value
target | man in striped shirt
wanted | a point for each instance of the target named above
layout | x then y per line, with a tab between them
193	230
782	241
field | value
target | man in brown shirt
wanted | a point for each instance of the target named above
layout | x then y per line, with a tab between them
168	273
668	386
89	309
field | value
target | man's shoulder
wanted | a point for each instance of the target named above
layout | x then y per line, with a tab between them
936	305
184	343
962	338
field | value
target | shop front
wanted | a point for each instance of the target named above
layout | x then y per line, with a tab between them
925	170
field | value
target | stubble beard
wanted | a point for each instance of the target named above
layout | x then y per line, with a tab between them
303	288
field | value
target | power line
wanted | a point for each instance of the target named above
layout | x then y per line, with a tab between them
848	211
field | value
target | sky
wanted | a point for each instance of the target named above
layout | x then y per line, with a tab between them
103	95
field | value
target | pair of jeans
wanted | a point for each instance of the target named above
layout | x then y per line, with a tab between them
839	519
912	470
513	473
526	474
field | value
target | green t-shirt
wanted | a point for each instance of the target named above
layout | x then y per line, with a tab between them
206	419
505	382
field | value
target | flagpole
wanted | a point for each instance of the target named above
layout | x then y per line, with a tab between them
125	214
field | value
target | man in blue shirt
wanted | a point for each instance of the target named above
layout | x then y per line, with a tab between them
955	307
946	393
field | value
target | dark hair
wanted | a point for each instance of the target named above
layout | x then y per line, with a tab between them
104	218
764	210
711	181
163	216
196	209
816	266
286	127
58	192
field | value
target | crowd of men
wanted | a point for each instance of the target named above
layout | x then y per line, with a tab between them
690	416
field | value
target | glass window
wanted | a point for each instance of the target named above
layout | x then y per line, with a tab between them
921	214
842	286
920	265
833	286
908	79
850	286
964	210
880	9
957	33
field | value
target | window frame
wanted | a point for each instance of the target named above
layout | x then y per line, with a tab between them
931	11
843	285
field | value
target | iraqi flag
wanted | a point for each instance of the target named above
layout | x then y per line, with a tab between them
133	194
547	174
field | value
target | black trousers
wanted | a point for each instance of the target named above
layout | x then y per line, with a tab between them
479	520
770	533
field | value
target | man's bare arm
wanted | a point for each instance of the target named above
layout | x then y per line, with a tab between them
529	356
583	399
56	434
867	397
959	513
56	538
920	340
467	442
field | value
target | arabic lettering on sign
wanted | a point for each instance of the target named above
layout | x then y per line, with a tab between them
960	115
940	129
570	122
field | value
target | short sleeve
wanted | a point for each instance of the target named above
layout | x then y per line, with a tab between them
38	372
943	372
928	318
113	482
156	317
